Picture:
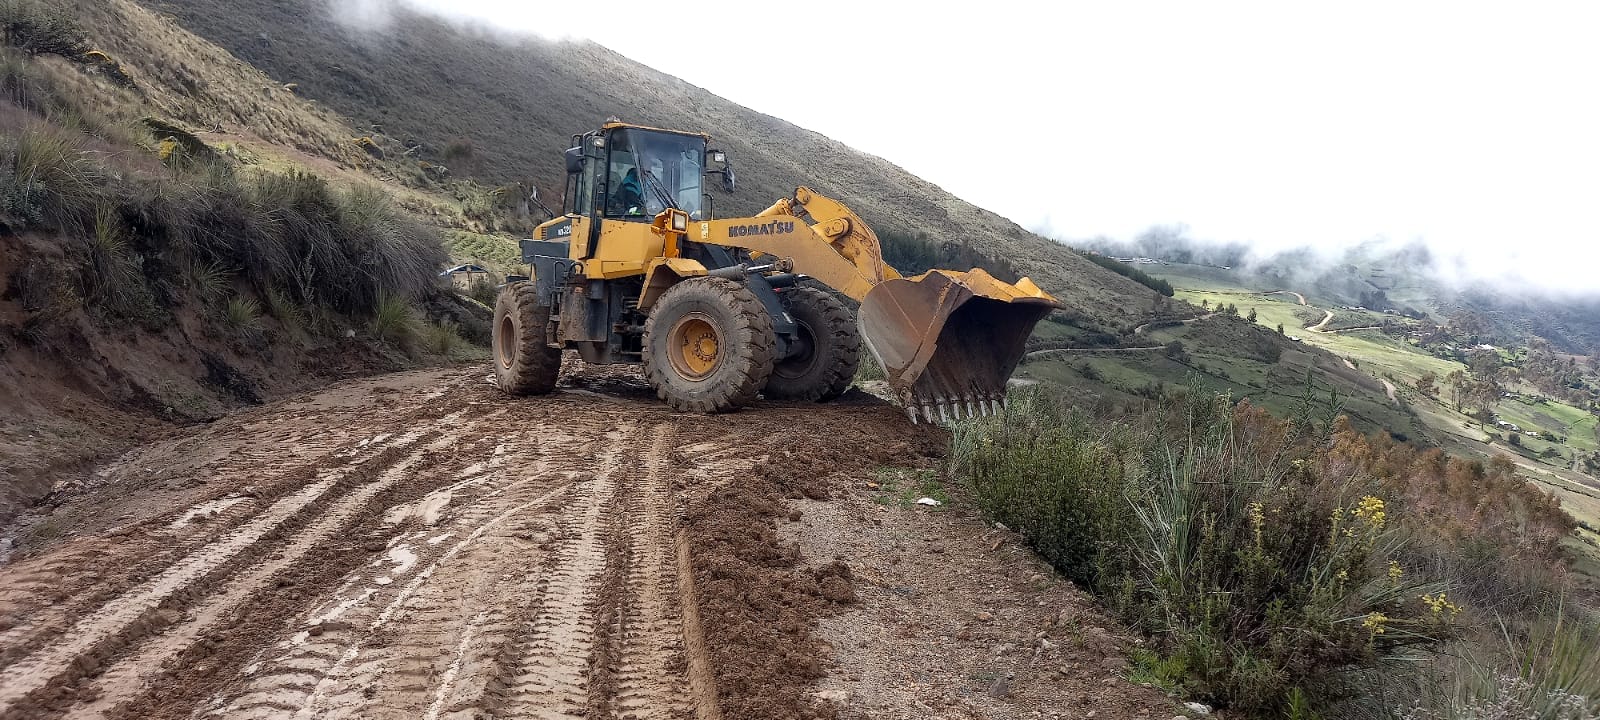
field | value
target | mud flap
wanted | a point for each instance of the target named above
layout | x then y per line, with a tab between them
948	341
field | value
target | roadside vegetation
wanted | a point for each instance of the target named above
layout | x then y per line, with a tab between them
1297	567
133	223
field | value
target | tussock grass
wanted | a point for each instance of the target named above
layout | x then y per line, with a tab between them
290	316
394	321
242	315
442	339
208	281
52	180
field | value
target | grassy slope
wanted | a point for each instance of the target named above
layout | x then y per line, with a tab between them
519	103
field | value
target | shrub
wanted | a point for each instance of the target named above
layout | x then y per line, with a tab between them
1267	557
483	291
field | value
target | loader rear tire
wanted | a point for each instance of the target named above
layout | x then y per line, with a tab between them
524	362
828	353
708	346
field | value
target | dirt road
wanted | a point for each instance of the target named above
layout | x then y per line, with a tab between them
403	550
419	546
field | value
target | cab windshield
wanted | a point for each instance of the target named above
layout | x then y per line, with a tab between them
650	170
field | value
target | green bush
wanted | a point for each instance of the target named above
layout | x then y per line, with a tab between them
484	292
1214	529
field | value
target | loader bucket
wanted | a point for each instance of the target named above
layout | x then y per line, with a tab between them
948	341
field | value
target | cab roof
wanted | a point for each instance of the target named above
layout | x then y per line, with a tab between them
618	125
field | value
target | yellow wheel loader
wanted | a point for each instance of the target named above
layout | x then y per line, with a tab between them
718	310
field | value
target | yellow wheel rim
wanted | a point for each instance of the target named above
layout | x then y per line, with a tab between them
508	342
694	347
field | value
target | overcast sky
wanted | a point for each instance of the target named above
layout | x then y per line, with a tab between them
1472	126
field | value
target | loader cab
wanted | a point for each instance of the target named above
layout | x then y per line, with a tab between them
631	173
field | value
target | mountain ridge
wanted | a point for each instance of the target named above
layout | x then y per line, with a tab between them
428	81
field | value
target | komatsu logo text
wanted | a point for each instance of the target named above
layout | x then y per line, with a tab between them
771	228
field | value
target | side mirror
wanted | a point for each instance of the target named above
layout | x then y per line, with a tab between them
533	199
574	160
729	181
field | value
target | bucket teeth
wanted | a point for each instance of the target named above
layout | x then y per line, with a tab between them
911	412
944	411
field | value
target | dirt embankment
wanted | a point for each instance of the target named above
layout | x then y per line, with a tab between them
419	546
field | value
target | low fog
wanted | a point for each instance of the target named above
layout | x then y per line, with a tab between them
1466	130
1517	267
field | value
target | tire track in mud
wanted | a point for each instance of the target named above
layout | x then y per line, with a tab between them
247	462
523	560
153	605
34	593
644	659
443	643
125	678
548	667
459	598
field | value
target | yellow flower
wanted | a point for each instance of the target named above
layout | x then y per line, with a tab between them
1258	519
1439	605
1395	573
1371	510
1375	622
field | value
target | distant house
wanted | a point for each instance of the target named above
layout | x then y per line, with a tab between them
463	276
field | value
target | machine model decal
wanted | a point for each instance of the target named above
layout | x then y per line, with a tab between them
558	231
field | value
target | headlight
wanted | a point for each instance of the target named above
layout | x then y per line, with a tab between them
680	221
719	157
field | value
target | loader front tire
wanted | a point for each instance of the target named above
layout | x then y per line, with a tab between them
828	353
708	346
524	362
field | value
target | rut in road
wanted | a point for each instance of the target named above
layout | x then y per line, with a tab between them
458	555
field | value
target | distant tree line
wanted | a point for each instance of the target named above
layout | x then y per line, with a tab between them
1128	271
917	253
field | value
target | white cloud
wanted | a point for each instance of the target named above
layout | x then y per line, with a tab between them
1471	126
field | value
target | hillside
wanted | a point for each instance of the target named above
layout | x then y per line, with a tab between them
517	103
152	277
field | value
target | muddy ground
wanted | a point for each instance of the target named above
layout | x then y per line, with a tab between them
418	546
